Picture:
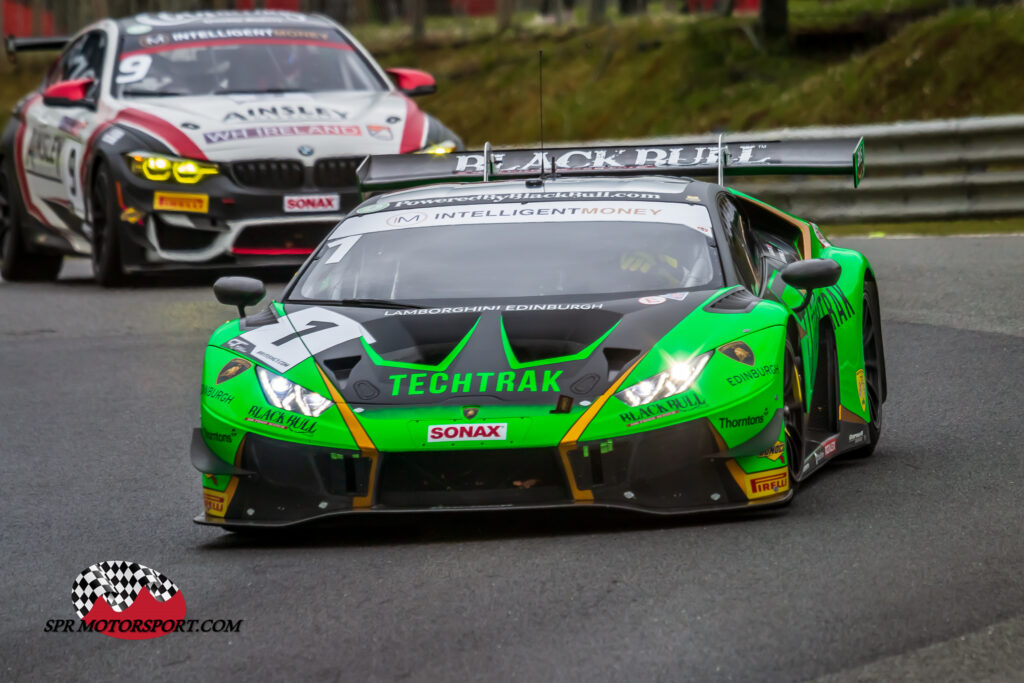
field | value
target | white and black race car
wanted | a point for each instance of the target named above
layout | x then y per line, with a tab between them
213	139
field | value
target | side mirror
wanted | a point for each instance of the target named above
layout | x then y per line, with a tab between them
239	291
69	93
810	274
413	82
813	273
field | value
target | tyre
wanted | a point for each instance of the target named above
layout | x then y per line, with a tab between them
874	368
794	411
18	263
107	266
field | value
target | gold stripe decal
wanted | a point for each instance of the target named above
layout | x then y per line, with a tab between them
847	415
572	436
363	440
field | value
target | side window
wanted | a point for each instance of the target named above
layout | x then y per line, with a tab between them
777	240
88	63
82	59
742	246
54	72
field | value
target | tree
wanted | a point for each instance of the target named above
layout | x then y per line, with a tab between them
632	6
774	18
418	19
505	10
362	11
598	10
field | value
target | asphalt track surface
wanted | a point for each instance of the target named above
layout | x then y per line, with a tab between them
904	566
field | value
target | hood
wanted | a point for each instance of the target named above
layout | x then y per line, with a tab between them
239	127
502	354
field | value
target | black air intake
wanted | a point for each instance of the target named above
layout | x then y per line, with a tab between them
269	173
336	172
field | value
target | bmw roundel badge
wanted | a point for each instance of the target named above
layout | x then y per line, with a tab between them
306	150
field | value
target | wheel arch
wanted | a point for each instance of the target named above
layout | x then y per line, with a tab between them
107	152
846	303
93	165
869	276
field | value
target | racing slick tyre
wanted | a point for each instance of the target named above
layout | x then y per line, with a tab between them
18	263
107	267
874	369
794	411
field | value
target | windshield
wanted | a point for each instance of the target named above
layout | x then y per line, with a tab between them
610	259
256	61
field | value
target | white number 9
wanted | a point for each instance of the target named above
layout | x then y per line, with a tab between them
133	69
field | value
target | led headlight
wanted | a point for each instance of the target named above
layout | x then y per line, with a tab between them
287	395
162	168
446	147
679	377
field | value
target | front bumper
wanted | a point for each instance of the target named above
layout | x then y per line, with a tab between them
674	470
220	222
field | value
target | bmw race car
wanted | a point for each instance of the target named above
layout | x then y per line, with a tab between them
175	140
606	333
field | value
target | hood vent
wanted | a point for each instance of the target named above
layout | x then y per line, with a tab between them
420	339
618	360
341	368
535	336
738	300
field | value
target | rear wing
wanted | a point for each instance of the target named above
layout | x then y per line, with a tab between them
13	45
808	157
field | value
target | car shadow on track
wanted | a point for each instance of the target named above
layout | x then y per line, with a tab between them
448	527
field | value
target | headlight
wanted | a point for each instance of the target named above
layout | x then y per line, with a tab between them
446	147
679	377
287	395
163	168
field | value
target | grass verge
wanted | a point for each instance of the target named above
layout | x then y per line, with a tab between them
667	74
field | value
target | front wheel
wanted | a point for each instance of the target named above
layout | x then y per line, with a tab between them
18	263
794	411
107	266
873	391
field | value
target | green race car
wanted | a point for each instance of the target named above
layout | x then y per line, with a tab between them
540	329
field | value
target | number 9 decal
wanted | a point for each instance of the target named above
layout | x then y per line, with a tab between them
133	69
70	169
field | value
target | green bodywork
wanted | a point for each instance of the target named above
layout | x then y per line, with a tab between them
738	399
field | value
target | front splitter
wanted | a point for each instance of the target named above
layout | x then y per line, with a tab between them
765	502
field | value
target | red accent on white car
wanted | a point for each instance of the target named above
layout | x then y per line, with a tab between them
415	133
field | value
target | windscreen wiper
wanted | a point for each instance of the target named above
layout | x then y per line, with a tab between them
253	91
154	93
373	303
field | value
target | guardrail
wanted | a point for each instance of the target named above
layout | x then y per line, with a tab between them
917	170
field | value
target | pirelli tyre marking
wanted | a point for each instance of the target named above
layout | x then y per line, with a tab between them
760	484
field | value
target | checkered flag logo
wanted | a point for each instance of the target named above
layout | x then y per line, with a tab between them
119	583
